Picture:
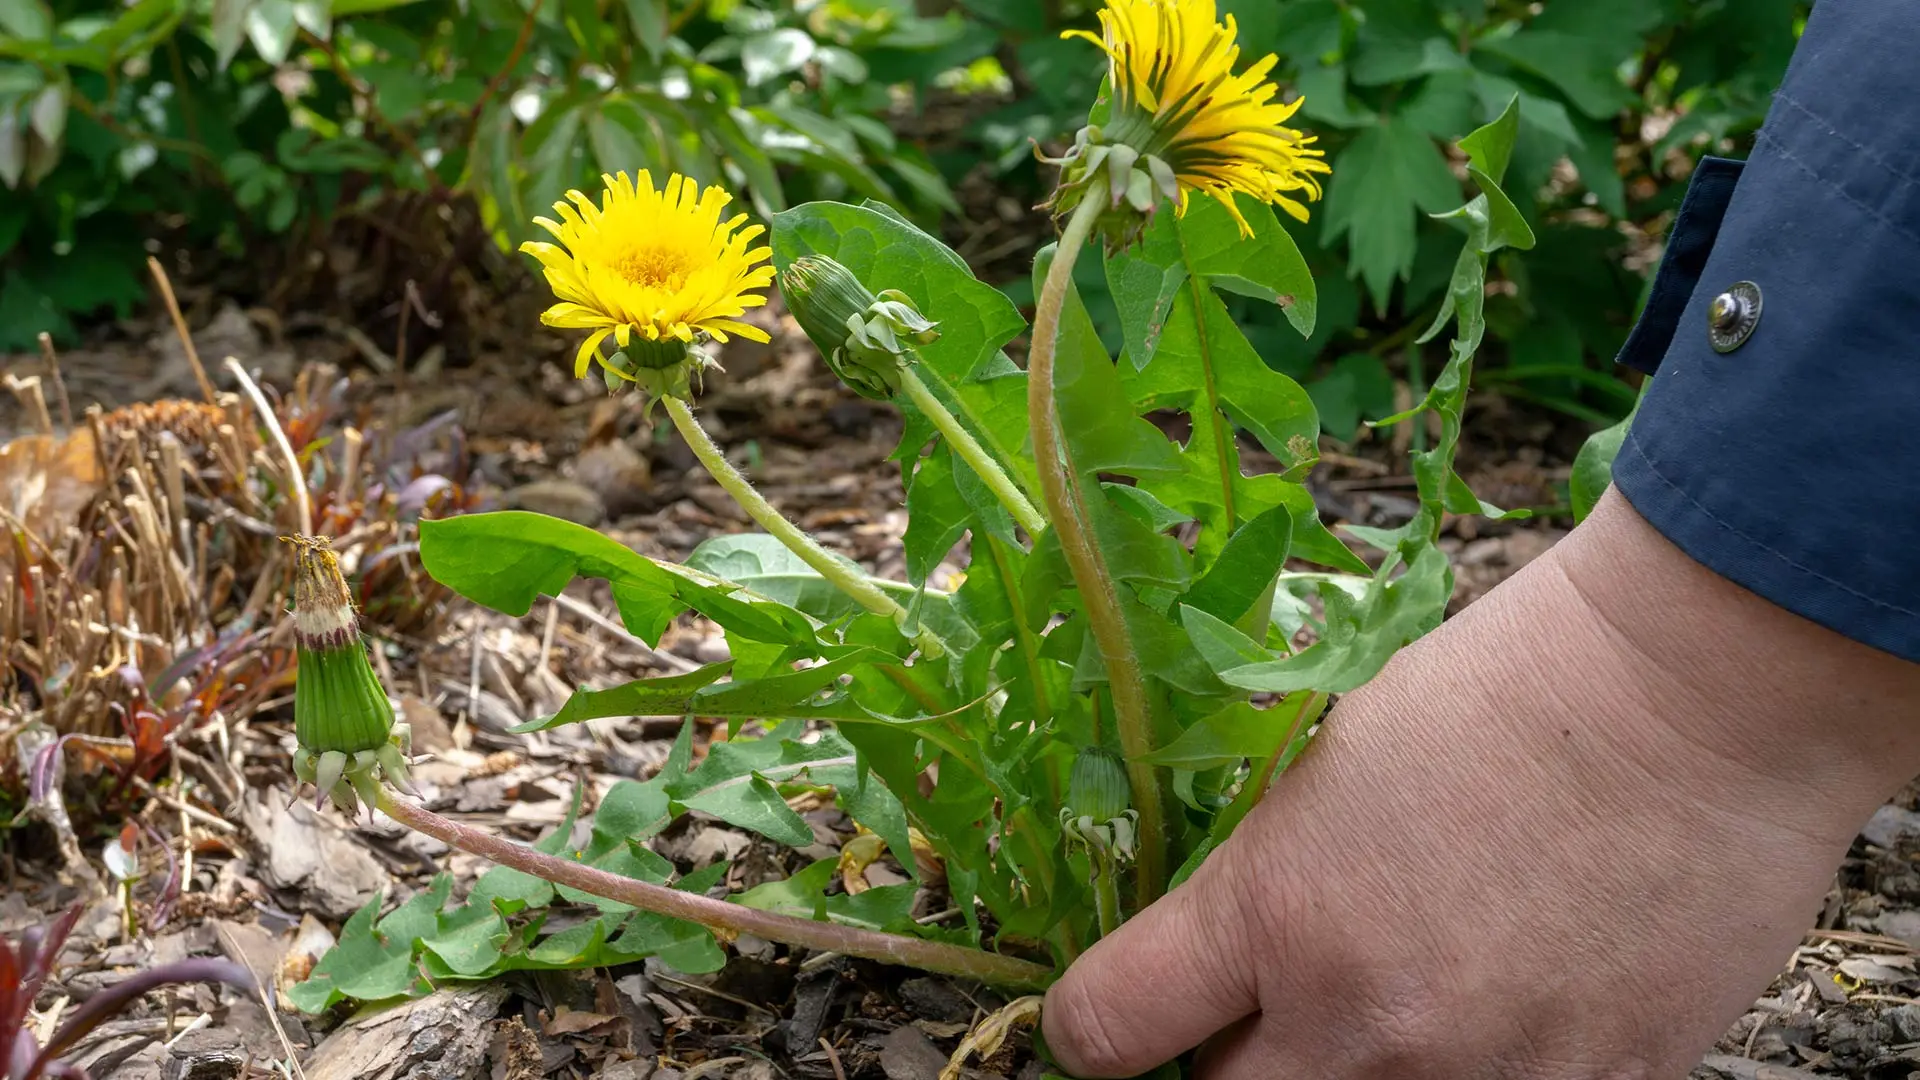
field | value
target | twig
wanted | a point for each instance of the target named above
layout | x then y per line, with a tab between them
264	984
295	479
833	1059
931	956
59	383
180	327
680	664
493	85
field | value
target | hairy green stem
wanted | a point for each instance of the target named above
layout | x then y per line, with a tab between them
856	585
1106	893
1066	507
971	452
720	915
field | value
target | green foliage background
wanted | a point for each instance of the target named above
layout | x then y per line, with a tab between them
232	124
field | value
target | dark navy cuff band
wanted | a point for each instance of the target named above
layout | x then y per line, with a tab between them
1790	463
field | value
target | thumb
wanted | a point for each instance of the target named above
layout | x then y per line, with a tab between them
1170	977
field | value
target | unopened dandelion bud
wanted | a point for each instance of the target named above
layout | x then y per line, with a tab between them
1097	787
864	338
342	718
1097	816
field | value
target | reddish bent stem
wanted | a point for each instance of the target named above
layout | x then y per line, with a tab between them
714	914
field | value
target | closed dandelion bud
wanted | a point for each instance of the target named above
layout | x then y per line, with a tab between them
1097	787
342	719
1096	816
864	338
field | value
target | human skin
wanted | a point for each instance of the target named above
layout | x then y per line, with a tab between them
1570	835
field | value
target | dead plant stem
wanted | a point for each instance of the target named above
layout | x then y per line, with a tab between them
296	480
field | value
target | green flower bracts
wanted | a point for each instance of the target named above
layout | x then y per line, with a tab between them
342	719
864	338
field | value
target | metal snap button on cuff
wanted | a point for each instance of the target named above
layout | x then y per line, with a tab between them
1733	315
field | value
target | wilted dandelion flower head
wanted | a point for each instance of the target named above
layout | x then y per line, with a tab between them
1180	120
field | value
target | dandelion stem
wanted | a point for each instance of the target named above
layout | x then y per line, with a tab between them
934	956
1106	892
844	577
1066	508
971	452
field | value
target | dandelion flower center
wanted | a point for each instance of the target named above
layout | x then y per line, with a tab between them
653	267
651	264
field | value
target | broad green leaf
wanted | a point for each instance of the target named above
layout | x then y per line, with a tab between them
1360	636
801	895
937	514
1210	372
1206	246
28	20
666	695
505	560
1222	645
1379	181
1226	737
229	26
1245	570
649	21
774	53
271	27
761	564
1103	432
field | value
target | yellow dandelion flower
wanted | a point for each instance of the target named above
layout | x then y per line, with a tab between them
649	265
1175	98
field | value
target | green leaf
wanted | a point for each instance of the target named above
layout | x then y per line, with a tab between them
1206	246
965	367
1104	433
649	21
1358	387
736	782
271	26
1490	147
1593	466
1378	183
505	560
1245	570
28	20
801	895
229	27
937	514
666	695
1360	636
1210	372
774	53
1236	732
1221	644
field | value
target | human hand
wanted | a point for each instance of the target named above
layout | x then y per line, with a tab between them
1569	835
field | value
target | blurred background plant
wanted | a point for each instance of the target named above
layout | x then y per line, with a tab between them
258	131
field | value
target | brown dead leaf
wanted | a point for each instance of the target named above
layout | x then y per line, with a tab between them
990	1033
567	1021
46	482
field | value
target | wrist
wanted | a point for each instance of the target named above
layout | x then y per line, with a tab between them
1735	674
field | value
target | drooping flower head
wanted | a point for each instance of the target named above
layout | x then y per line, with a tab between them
655	269
1182	121
343	722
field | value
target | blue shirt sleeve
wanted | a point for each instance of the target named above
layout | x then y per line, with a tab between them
1783	456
